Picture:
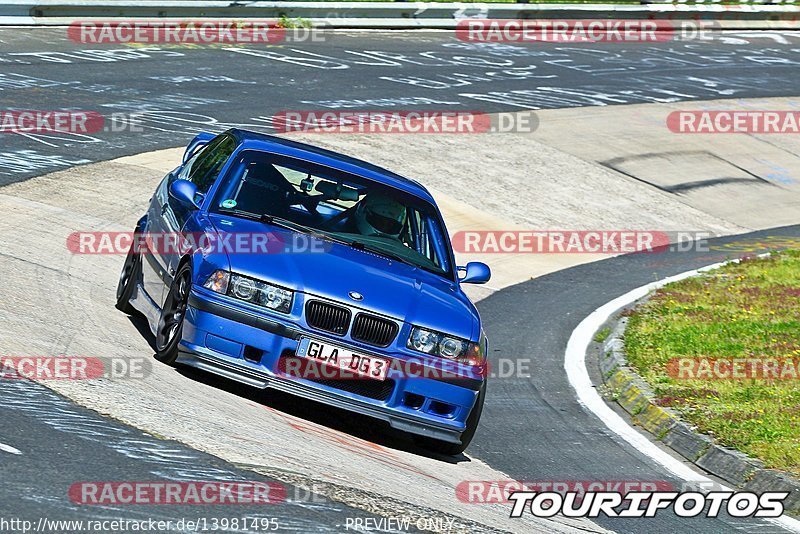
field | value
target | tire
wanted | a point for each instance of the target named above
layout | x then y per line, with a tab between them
454	449
173	314
131	272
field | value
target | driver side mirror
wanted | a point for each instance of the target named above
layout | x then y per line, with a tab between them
184	192
475	273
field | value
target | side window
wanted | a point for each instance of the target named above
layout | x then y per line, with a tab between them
204	167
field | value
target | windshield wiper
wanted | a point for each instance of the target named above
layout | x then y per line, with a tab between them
269	219
381	252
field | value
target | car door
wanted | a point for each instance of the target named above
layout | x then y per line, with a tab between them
166	217
203	169
153	266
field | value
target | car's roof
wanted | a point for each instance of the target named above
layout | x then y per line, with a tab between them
287	147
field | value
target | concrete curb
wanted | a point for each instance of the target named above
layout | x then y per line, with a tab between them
389	15
630	391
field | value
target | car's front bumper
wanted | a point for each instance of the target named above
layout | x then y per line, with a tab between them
233	342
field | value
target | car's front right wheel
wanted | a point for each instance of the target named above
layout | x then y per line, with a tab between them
453	449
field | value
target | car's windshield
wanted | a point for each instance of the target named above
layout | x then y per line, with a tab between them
337	205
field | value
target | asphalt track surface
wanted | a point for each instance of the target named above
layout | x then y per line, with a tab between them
181	90
64	445
532	429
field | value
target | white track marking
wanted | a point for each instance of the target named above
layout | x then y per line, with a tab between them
578	375
9	449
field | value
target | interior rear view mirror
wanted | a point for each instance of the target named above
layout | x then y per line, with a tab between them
337	191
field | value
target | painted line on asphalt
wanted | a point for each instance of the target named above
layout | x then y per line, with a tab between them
9	449
578	375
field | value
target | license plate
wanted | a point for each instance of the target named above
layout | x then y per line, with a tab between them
350	363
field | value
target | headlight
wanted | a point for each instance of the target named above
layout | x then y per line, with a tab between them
251	290
243	288
449	347
424	340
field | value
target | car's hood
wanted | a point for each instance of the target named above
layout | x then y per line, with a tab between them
388	287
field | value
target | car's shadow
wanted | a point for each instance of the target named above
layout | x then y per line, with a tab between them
142	326
359	426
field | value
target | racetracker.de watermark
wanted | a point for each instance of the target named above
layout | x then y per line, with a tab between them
315	366
734	122
177	493
498	491
180	243
583	30
193	32
403	122
44	121
577	241
748	368
43	368
758	244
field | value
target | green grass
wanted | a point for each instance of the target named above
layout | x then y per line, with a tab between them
745	310
602	334
293	22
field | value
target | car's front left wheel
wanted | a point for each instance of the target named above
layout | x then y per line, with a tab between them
173	314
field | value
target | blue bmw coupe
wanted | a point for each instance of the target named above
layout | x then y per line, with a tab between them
355	301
